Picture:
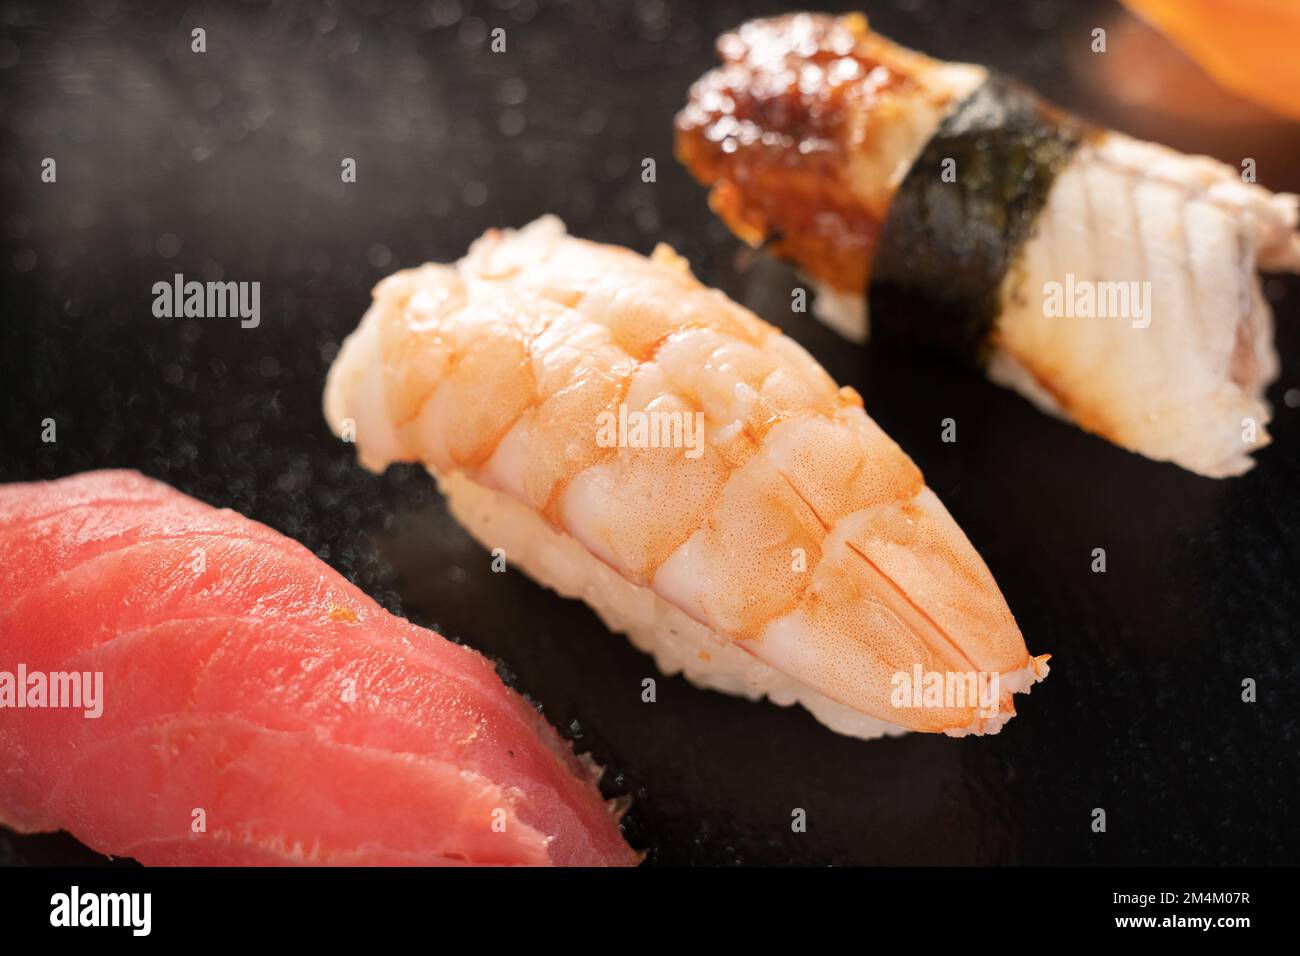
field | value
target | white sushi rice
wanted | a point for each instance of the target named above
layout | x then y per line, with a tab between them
845	312
678	643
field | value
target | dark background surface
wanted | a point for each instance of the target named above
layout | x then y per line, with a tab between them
226	165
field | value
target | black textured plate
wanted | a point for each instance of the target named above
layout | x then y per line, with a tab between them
227	165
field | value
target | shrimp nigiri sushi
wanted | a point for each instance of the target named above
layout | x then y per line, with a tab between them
625	435
182	685
1110	281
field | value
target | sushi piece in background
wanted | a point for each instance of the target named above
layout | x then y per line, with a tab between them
240	703
628	436
1248	46
1110	281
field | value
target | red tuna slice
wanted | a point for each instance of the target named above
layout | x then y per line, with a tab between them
244	678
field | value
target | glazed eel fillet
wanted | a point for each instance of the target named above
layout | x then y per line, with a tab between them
1110	281
770	540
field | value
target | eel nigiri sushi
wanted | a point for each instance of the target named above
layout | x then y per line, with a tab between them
1110	281
253	706
626	435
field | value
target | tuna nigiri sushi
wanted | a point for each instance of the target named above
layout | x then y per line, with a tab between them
253	706
628	436
1110	281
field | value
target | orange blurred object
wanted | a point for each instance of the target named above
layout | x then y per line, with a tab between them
1252	47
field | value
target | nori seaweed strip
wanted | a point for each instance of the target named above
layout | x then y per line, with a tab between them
946	246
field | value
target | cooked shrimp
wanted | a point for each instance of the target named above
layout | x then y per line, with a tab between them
790	548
